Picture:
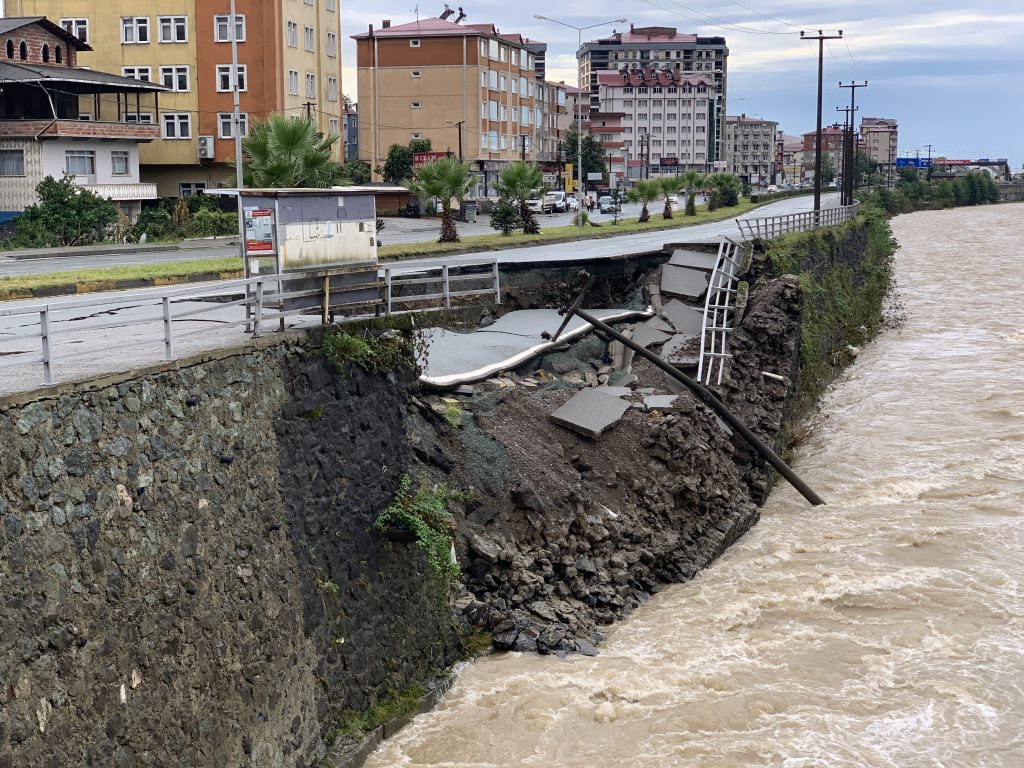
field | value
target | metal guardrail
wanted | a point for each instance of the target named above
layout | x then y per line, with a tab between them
263	298
768	227
719	309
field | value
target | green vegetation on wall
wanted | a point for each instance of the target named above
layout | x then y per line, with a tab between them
373	351
845	275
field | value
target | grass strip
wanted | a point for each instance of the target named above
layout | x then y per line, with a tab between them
176	272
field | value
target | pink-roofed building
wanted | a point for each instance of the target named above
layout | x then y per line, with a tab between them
644	48
468	88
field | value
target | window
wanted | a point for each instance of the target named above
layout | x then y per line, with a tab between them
12	162
186	188
57	55
414	73
173	29
137	73
224	77
492	79
293	82
502	83
292	35
503	54
310	85
503	112
414	43
417	135
77	27
332	89
492	111
139	118
309	39
493	136
332	44
135	30
492	49
515	56
175	78
177	125
483	47
226	122
483	140
120	163
333	126
222	28
415	104
515	114
332	5
515	85
524	89
80	162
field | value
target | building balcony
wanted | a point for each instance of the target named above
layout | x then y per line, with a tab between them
76	129
123	192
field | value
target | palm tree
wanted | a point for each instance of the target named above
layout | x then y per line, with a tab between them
289	152
692	183
670	185
445	179
726	187
516	184
644	191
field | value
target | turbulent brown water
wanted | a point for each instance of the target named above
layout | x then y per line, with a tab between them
885	629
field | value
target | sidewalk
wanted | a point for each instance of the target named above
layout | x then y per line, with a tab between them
112	249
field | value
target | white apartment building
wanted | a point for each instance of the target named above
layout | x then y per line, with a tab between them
750	148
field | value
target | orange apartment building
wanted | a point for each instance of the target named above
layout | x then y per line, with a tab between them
468	88
289	56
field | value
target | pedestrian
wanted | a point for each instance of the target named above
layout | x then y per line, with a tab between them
590	203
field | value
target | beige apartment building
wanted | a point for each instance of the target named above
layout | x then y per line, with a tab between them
880	136
466	87
750	148
289	61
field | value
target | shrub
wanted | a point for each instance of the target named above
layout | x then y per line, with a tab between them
155	223
208	222
65	215
505	217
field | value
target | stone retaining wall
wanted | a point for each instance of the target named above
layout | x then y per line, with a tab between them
188	570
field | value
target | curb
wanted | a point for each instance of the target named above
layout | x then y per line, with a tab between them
69	289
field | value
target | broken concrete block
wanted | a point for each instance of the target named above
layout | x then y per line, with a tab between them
664	403
614	391
590	412
685	319
660	324
646	336
464	389
683	281
693	259
682	351
622	379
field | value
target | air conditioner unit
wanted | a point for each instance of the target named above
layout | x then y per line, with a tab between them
206	151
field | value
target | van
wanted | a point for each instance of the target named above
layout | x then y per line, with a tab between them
555	202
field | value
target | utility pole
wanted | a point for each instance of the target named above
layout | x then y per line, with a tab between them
848	164
851	162
929	161
522	150
647	155
821	38
309	110
458	126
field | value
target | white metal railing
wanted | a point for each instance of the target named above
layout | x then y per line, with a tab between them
719	310
773	226
156	316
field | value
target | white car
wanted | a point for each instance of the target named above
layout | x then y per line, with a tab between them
673	202
606	204
571	203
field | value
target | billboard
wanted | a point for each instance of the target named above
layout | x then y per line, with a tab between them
913	162
669	162
422	158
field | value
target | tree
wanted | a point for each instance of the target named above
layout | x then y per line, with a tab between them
517	183
644	192
828	168
692	183
398	167
593	152
445	179
505	217
289	152
350	106
725	190
670	186
65	215
356	171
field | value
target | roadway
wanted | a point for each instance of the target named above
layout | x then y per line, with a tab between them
125	332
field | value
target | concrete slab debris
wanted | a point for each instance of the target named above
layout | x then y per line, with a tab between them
657	323
694	259
590	413
622	379
682	351
664	403
683	281
614	391
685	319
645	335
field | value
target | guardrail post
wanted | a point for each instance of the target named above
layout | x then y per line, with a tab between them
44	335
325	315
258	313
497	284
168	338
387	290
447	288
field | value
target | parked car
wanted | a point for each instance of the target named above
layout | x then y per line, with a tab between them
607	204
773	188
555	202
535	205
673	202
572	204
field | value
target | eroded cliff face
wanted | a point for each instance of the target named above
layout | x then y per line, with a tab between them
566	534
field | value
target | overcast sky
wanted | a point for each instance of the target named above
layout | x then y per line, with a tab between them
949	71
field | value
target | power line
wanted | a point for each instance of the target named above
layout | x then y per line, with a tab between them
772	18
729	28
850	52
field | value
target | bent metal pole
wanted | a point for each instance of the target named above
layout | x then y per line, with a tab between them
705	396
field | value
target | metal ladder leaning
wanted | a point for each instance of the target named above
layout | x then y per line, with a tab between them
720	309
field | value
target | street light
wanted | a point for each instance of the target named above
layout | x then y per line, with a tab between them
579	98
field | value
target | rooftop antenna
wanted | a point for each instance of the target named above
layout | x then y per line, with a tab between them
416	10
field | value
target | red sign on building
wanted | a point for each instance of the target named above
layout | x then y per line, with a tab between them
422	158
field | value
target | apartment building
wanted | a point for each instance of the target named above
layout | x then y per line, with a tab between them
466	87
646	48
751	149
654	122
552	104
880	135
831	145
289	61
42	130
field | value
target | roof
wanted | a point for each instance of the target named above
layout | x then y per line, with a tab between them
432	27
748	119
45	74
17	22
652	76
649	35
